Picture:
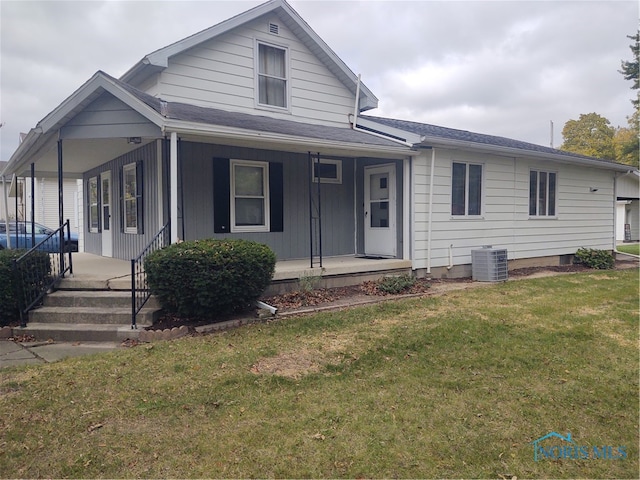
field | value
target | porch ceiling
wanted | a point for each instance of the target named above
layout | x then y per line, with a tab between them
78	155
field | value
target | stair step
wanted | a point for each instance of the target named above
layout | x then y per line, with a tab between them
92	315
98	298
78	332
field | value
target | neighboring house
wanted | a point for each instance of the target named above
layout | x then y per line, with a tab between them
253	129
627	208
45	205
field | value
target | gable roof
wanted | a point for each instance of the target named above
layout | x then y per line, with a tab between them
158	60
424	134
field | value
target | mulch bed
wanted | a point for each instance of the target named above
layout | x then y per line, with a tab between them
319	297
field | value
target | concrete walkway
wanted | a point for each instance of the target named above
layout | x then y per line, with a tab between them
15	353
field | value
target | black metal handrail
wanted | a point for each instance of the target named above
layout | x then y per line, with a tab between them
140	292
40	268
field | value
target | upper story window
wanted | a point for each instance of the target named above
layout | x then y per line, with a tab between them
272	76
466	189
542	193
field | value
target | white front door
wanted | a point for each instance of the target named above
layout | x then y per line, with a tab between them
105	201
380	211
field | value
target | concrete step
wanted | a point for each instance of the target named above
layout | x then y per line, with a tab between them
78	332
92	315
98	299
88	283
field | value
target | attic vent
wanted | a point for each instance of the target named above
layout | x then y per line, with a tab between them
274	28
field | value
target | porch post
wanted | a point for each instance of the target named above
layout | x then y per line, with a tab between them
33	204
407	211
173	186
60	186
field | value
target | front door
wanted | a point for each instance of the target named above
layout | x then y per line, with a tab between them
105	193
380	211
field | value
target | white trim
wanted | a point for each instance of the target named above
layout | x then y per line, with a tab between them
173	186
160	200
328	161
90	226
466	215
265	227
125	169
287	71
407	239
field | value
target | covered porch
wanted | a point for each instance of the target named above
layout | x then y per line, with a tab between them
94	272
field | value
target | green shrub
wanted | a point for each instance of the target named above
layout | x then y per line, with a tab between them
593	258
396	284
207	278
38	269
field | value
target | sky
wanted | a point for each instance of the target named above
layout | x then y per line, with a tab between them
506	68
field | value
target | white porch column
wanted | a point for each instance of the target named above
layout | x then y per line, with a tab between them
407	210
173	189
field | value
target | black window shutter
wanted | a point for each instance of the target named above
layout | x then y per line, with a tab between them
99	193
140	196
122	205
276	197
221	195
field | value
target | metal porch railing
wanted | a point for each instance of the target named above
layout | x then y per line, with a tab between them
38	270
139	288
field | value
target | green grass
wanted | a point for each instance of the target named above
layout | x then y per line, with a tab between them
633	248
450	386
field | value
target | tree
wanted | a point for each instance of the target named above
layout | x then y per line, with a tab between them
627	146
630	69
590	135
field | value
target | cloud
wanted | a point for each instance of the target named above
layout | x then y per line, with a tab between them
499	67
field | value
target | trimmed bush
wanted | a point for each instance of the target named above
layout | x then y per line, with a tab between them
207	278
38	262
593	258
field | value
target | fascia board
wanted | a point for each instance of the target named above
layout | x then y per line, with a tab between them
409	137
516	152
188	128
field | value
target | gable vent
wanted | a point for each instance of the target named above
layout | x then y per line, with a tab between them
274	28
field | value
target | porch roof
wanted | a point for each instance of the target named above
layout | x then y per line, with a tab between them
197	123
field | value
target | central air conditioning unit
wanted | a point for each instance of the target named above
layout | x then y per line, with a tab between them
489	264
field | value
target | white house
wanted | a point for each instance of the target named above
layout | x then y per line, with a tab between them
254	128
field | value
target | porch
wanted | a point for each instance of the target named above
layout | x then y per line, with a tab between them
93	272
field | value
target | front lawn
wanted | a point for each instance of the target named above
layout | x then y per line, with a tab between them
457	385
633	248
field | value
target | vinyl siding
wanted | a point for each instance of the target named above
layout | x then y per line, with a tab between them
197	196
220	74
584	218
125	245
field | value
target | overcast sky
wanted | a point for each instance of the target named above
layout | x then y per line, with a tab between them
504	68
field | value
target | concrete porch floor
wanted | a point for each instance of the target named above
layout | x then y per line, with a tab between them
96	272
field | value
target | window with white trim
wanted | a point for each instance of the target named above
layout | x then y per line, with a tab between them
130	183
92	193
272	76
249	196
327	171
466	189
542	193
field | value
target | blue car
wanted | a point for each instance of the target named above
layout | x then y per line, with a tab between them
23	238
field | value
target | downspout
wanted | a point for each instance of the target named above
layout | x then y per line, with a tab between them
616	176
430	214
354	123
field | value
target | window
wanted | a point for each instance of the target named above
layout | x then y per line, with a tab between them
466	189
249	196
92	200
272	76
328	171
542	193
131	197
